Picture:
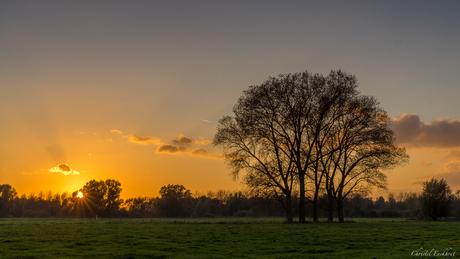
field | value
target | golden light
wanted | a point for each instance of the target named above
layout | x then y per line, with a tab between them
80	195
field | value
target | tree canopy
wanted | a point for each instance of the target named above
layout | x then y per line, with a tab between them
436	198
303	131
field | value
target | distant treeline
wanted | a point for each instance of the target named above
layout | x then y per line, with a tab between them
101	198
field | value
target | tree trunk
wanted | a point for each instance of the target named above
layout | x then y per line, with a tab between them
330	209
302	198
340	209
289	213
315	207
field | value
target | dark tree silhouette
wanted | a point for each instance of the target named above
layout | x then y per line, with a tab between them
279	129
361	146
436	198
175	201
334	91
266	137
7	194
93	196
112	197
101	197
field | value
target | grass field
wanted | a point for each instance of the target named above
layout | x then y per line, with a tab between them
224	238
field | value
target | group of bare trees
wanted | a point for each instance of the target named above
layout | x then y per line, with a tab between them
310	135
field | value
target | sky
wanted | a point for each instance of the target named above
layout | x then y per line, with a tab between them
133	90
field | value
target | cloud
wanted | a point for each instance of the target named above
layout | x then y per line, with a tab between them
63	169
183	140
171	149
180	145
411	132
199	152
184	145
204	153
186	141
453	154
137	139
144	140
452	167
406	127
450	172
203	142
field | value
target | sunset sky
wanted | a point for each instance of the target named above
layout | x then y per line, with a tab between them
133	90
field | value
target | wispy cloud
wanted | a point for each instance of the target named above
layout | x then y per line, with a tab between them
144	140
450	172
453	153
180	145
198	152
204	153
63	169
413	133
171	149
137	139
452	167
186	141
186	145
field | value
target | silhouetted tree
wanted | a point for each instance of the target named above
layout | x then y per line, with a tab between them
112	197
95	192
140	206
268	167
300	128
361	147
175	201
436	198
413	206
272	134
7	194
102	197
334	92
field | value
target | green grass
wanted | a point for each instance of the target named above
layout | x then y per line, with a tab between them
221	238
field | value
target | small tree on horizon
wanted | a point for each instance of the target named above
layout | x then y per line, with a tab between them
436	199
174	201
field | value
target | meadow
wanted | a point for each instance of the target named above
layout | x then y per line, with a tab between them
225	238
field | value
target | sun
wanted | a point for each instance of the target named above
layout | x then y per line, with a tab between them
80	195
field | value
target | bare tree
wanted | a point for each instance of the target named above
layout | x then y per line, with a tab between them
361	147
335	91
308	132
277	126
266	137
269	169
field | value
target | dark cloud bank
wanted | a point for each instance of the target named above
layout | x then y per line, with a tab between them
412	133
